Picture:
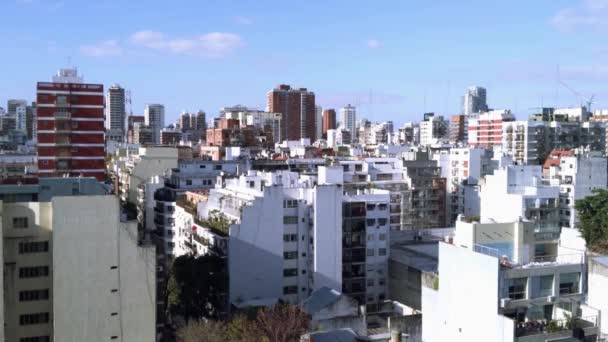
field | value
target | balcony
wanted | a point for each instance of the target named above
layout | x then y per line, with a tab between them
63	115
549	330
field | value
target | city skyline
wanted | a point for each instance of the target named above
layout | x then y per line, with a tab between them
406	63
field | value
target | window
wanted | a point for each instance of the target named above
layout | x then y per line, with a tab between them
569	283
303	271
381	296
382	237
371	222
382	251
217	167
371	206
381	281
370	237
33	295
370	252
251	184
290	203
517	288
545	286
33	272
188	181
35	318
290	290
35	339
290	255
290	237
290	220
290	272
33	247
382	221
370	282
382	206
20	222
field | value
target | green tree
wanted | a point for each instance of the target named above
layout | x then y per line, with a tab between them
593	220
197	287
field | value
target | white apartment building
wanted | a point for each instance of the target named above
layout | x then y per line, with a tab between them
491	286
474	100
154	117
519	192
434	131
21	117
133	167
577	176
348	119
254	117
463	168
73	274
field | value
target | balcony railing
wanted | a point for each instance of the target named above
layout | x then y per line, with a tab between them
538	261
63	115
555	328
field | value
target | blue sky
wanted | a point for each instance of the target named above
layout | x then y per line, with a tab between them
409	56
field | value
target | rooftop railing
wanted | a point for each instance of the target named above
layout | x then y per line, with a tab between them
538	261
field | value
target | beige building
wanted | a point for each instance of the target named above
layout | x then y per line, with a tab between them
74	272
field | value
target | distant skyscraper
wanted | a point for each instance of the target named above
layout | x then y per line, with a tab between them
11	106
297	107
348	119
70	127
115	113
185	122
474	101
329	120
318	122
154	116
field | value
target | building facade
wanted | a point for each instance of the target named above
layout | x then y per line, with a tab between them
70	127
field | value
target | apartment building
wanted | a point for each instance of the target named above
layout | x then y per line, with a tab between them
297	109
577	173
434	130
70	127
492	286
486	128
71	274
463	168
530	142
519	192
365	247
132	167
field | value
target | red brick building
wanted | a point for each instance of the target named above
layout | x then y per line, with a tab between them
297	107
329	120
70	127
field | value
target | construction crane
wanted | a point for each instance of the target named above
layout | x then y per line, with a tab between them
579	96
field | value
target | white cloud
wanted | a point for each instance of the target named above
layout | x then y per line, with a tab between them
589	14
214	44
107	48
374	44
242	20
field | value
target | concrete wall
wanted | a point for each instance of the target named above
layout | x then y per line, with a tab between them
327	259
465	308
137	275
103	283
596	296
255	249
85	249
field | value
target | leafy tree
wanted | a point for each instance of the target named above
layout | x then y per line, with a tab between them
241	329
197	287
202	331
593	220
